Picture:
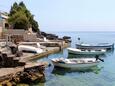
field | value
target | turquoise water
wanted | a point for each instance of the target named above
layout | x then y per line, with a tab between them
102	75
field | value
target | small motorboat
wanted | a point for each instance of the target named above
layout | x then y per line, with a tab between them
76	63
86	51
106	46
32	49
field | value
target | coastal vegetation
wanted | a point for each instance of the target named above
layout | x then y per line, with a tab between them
21	18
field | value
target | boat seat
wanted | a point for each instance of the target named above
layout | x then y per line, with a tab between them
82	61
61	61
77	61
90	61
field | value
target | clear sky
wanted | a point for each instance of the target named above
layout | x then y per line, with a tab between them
70	15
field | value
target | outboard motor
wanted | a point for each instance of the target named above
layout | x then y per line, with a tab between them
97	58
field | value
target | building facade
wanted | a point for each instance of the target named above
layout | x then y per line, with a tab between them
14	34
3	22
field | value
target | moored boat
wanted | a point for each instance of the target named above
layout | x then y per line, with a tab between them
29	49
86	51
76	63
106	46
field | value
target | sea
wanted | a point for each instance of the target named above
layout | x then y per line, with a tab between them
101	75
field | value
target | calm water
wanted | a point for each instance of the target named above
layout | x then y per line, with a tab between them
102	75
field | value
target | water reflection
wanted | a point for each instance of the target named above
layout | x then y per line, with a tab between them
62	71
32	84
109	52
79	56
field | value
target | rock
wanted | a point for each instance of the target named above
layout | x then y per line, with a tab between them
66	37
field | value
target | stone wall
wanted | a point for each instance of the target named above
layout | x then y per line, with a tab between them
0	31
30	37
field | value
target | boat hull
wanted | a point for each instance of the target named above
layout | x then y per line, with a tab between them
75	51
76	66
29	49
108	46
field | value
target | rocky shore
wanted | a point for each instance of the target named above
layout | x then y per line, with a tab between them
16	67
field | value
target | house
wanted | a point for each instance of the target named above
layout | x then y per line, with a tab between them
3	22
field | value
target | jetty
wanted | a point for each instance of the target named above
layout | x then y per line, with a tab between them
54	48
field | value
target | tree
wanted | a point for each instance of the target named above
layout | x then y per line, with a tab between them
22	5
13	9
34	26
21	18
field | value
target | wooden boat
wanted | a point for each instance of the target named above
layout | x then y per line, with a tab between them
76	63
106	46
29	49
86	51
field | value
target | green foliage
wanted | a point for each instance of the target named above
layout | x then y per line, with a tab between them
13	9
21	18
34	26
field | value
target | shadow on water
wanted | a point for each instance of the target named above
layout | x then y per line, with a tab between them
110	52
36	83
62	71
84	56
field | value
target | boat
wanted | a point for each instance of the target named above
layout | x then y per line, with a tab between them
106	46
32	49
86	51
75	63
34	44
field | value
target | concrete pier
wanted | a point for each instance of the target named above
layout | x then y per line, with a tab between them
49	50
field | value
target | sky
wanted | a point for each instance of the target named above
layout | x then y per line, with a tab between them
70	15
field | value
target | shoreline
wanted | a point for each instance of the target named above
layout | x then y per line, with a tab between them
50	50
7	77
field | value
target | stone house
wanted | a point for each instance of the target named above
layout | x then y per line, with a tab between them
3	22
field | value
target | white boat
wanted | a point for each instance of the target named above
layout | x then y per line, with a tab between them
106	46
86	51
29	49
76	63
34	44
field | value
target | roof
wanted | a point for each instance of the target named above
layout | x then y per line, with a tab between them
4	15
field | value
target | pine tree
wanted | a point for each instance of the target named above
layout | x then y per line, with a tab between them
21	18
